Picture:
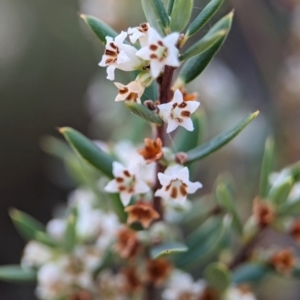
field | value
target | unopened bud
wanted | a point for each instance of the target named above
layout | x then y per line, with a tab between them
181	158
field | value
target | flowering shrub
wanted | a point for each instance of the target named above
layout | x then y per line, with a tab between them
124	231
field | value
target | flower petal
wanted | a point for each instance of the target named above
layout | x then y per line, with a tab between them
111	72
143	53
172	125
118	169
183	174
193	187
171	39
112	187
187	124
119	39
156	67
125	197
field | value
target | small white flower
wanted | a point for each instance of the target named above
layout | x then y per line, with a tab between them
127	182
182	286
160	51
176	184
132	91
36	254
118	55
56	229
235	293
178	112
139	33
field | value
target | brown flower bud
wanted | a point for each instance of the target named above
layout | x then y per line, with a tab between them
158	270
295	230
181	158
152	150
209	294
283	261
188	97
127	244
263	212
81	295
150	105
141	212
133	282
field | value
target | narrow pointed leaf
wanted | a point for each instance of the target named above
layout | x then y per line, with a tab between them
167	249
101	29
118	207
225	200
16	274
161	12
278	194
152	15
196	65
26	225
250	272
218	276
204	16
70	237
205	43
220	140
143	112
290	208
266	167
187	140
87	150
170	7
181	14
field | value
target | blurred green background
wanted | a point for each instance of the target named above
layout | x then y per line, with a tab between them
49	78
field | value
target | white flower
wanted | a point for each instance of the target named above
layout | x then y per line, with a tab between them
160	51
36	254
235	293
178	112
132	91
118	55
56	229
139	33
182	286
176	184
127	182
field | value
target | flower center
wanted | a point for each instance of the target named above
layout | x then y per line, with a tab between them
158	51
143	27
126	182
179	112
176	188
112	53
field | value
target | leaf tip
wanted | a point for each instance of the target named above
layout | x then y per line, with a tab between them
255	114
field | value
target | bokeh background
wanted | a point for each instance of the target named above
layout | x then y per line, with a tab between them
49	78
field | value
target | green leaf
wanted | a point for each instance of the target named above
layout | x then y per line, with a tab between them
266	167
161	12
290	208
279	193
220	140
16	274
143	112
101	29
70	236
250	272
87	150
181	14
26	225
187	140
118	207
196	65
166	249
170	7
208	41
204	242
225	200
218	276
153	16
204	16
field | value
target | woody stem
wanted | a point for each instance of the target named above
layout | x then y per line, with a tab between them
165	96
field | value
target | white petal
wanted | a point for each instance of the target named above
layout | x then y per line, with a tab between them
125	198
143	53
122	58
119	85
164	179
153	36
192	105
165	111
112	187
193	187
187	124
103	63
141	187
111	72
177	96
162	193
118	169
172	171
171	39
183	174
120	38
172	125
156	67
172	59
